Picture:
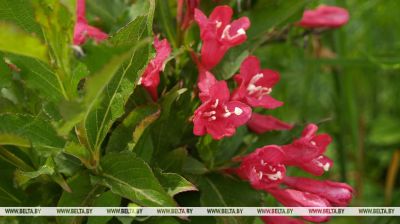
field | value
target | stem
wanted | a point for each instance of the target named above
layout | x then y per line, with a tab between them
14	160
391	176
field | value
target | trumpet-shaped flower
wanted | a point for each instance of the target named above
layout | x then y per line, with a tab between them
255	85
324	17
219	34
264	167
218	116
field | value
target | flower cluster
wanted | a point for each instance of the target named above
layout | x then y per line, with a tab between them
265	169
221	112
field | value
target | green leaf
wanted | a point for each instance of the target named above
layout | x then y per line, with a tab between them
17	41
174	183
131	178
223	191
48	168
173	161
193	166
231	63
20	12
106	199
123	134
83	194
78	151
9	195
38	75
100	118
26	130
57	24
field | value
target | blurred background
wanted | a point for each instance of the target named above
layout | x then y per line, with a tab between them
346	80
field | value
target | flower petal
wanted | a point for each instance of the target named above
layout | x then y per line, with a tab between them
259	123
249	67
239	112
265	101
222	14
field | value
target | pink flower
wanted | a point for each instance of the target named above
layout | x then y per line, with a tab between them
307	151
324	17
255	85
295	198
205	81
218	34
218	116
151	76
264	167
338	194
281	220
185	19
82	29
259	123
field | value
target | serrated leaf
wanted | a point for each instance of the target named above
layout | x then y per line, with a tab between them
131	178
83	194
100	119
26	130
174	183
15	40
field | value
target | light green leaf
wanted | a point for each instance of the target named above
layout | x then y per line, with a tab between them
20	12
15	40
174	183
131	178
26	130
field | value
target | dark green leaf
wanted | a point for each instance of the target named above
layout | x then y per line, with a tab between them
131	178
26	130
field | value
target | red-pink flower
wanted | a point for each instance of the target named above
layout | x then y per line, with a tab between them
281	220
324	17
151	76
255	85
186	18
338	194
260	123
218	116
218	34
82	29
264	167
307	151
295	198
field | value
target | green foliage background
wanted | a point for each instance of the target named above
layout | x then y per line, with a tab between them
110	145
